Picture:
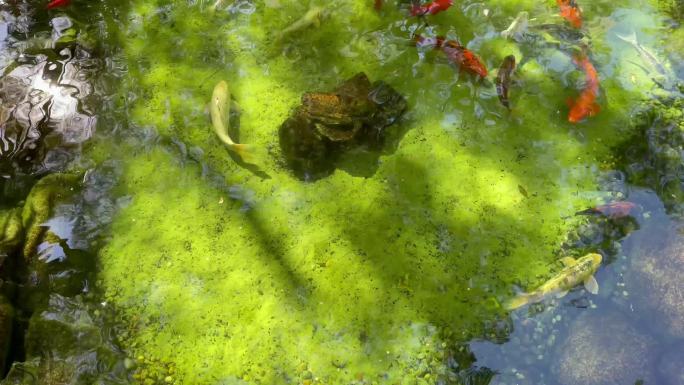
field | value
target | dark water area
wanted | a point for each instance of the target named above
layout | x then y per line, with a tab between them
121	216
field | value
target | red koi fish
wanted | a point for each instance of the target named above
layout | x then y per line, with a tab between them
434	7
570	11
611	210
585	105
464	58
58	3
378	5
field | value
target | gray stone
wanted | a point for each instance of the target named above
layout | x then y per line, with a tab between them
657	278
604	349
671	365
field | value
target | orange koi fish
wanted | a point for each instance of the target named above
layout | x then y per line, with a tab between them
585	105
613	210
432	8
570	11
456	53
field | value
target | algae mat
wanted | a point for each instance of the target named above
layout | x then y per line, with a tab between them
377	273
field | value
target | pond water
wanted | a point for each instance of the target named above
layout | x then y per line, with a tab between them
385	211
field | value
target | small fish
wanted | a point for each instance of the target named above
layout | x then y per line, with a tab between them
312	17
645	54
503	80
585	105
613	210
517	28
58	3
219	108
431	8
378	5
570	11
574	273
564	33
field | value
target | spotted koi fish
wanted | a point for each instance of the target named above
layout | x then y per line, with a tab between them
575	272
462	57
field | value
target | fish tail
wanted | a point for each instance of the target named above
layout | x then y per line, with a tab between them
631	39
590	211
249	153
518	301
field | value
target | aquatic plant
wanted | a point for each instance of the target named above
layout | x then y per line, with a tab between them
657	162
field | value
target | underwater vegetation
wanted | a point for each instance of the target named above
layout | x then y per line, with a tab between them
657	162
369	189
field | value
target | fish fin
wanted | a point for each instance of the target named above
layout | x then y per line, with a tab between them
568	261
249	153
561	294
517	301
631	39
594	109
591	285
235	106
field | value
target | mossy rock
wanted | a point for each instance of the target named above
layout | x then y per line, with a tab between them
47	193
11	232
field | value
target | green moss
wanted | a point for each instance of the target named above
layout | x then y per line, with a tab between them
349	277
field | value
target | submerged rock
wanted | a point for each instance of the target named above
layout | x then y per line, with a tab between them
69	343
603	349
326	124
670	368
657	276
45	235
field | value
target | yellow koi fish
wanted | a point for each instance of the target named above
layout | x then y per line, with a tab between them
574	273
219	108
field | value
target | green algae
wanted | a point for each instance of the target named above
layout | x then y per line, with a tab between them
374	273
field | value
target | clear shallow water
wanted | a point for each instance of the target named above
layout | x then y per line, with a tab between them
382	272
